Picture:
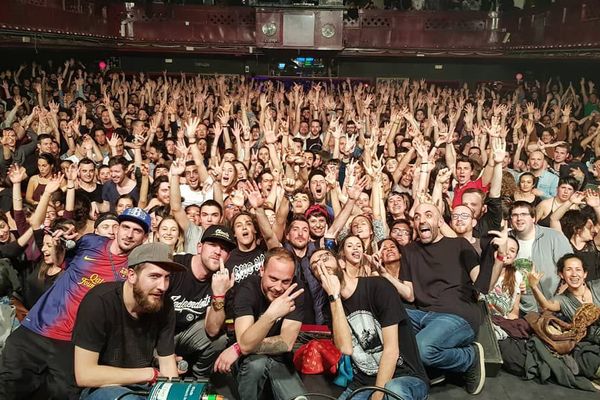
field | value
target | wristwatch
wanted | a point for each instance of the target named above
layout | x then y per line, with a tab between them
333	297
218	305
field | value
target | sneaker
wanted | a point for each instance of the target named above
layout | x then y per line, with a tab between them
475	375
437	380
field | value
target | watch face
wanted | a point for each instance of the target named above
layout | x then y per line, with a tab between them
269	29
328	30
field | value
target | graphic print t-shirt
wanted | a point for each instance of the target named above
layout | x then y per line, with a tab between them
53	315
190	296
243	264
375	305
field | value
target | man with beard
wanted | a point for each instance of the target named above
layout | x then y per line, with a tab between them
120	325
318	189
487	208
370	324
198	295
40	350
268	315
547	182
463	223
444	277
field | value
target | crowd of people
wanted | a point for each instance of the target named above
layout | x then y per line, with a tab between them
142	214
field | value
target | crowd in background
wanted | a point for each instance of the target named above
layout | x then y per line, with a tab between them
387	184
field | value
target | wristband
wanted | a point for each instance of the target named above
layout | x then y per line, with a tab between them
329	243
218	296
154	377
237	349
69	188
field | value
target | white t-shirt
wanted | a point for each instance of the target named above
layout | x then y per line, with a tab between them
525	248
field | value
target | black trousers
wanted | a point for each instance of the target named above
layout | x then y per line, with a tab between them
30	361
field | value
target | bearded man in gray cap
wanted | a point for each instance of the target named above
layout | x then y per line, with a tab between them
120	325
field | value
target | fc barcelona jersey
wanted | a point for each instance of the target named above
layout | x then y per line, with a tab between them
53	315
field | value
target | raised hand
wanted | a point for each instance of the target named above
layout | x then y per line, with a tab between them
284	304
17	173
498	149
501	239
54	183
534	277
113	141
443	175
577	198
253	195
190	127
592	198
72	172
357	188
177	167
289	186
329	282
222	280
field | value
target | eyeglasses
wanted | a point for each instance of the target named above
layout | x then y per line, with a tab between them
400	232
520	215
322	258
461	216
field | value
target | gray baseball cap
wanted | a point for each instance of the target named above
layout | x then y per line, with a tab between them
154	253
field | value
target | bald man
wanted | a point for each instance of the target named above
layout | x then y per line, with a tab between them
443	275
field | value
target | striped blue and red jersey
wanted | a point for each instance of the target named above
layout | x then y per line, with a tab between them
53	315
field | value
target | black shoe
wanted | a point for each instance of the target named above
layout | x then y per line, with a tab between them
475	375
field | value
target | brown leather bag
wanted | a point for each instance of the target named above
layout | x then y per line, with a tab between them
560	336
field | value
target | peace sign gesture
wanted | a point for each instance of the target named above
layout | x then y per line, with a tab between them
284	304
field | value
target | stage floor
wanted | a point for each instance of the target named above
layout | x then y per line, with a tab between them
502	387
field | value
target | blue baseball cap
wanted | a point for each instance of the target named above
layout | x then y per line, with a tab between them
137	215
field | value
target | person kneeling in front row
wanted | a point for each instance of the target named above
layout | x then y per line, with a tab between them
120	325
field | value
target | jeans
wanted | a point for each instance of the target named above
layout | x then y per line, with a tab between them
113	392
198	349
407	387
444	340
254	370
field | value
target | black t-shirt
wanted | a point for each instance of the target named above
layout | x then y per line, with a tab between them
104	326
95	195
439	273
314	144
190	296
243	264
491	220
250	300
374	305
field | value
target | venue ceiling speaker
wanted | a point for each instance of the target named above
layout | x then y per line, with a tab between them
299	29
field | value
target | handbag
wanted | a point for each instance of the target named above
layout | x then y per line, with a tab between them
561	336
317	356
